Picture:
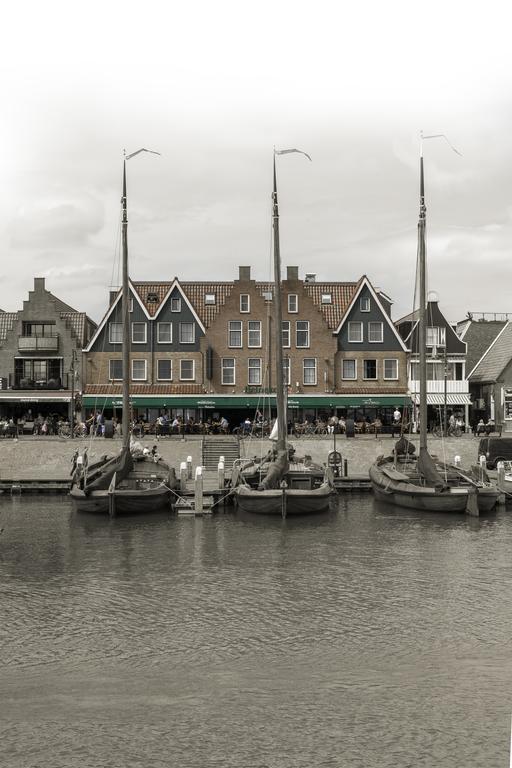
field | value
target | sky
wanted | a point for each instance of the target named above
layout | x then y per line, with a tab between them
214	87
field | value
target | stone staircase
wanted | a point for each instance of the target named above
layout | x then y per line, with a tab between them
215	446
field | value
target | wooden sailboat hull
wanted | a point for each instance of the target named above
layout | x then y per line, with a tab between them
410	495
295	501
146	489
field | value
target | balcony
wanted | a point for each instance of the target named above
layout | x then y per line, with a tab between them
20	382
48	343
455	387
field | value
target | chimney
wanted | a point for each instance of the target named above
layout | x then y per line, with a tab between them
310	277
292	273
244	273
39	283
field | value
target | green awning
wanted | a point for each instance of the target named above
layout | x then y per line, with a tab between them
246	401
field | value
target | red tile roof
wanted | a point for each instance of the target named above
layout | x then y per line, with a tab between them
145	389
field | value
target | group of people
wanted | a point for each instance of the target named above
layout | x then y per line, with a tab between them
484	428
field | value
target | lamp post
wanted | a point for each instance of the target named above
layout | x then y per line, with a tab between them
445	423
72	370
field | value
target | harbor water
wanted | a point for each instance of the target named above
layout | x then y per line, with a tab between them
368	636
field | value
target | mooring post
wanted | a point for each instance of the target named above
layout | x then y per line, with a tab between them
220	474
283	499
183	476
198	491
189	467
345	467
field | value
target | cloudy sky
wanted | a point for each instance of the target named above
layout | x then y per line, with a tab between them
214	86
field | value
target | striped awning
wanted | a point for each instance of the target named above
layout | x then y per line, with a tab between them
436	398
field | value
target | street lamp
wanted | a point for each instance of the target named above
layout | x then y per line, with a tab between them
72	370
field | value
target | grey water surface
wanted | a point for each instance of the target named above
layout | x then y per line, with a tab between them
367	636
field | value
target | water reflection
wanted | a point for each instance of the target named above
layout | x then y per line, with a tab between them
365	636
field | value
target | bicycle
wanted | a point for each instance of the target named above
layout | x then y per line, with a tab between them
438	431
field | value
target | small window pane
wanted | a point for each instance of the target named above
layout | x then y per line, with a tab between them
391	369
139	333
115	372
309	370
286	333
176	305
374	332
254	370
254	333
115	333
293	302
355	332
326	298
164	370
235	333
164	333
302	333
187	333
370	369
286	371
365	304
209	298
228	370
187	370
245	304
348	369
138	370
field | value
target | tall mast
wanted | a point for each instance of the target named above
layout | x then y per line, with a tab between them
278	325
422	329
125	312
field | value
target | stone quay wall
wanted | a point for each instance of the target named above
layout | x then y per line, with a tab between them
50	457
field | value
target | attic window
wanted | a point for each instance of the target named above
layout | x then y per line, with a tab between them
209	298
326	298
364	304
267	295
152	298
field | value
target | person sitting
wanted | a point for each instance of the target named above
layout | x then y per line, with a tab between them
480	428
490	427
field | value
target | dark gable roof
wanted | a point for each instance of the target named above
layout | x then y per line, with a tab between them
496	359
479	336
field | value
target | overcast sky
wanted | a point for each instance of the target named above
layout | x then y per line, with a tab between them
214	86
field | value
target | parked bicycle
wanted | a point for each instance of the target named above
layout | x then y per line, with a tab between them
438	431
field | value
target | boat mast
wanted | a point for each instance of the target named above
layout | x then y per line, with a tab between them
278	323
125	312
422	327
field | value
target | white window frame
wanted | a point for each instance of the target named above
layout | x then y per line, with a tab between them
188	360
375	323
304	330
437	334
389	360
326	298
115	378
251	331
364	304
145	340
254	368
163	360
139	378
175	303
349	360
293	309
110	328
245	298
287	367
240	330
210	298
192	341
159	340
286	337
315	368
352	324
371	378
224	367
130	306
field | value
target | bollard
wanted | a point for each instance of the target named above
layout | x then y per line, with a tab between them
220	474
456	461
345	467
501	475
482	461
198	491
183	476
189	467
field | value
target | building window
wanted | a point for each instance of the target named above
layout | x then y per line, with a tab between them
391	369
355	332
139	333
364	303
309	370
209	298
175	305
302	333
326	298
228	370
348	369
267	295
375	332
187	372
254	377
369	369
139	370
286	333
254	333
164	333
164	370
436	337
187	334
293	302
130	309
245	302
235	333
115	333
115	370
286	371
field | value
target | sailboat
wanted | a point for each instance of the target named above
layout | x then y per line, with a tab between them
422	483
137	483
285	485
